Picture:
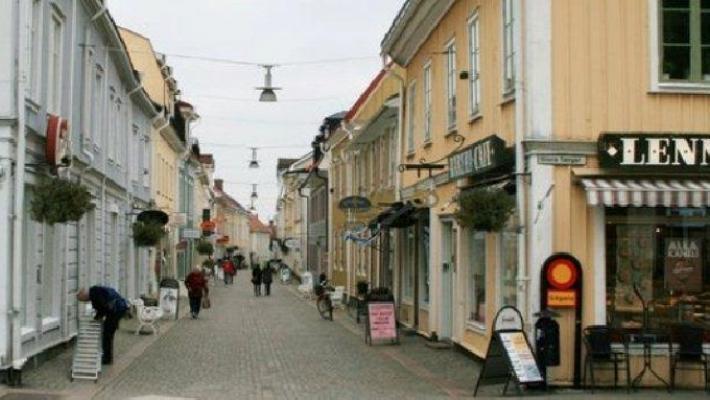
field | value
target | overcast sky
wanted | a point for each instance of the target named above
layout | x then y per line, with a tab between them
263	31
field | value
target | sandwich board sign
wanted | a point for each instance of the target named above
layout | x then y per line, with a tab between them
381	326
510	357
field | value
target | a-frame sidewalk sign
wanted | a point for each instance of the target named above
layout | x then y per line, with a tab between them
509	356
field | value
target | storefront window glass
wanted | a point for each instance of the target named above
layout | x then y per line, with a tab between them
408	268
660	254
508	267
477	277
424	263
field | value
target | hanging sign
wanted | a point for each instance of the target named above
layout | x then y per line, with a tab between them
58	148
669	152
355	203
479	158
683	265
381	323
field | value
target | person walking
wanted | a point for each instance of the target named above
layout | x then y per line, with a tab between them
229	271
256	279
267	276
196	285
110	307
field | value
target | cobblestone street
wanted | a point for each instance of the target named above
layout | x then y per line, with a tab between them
274	347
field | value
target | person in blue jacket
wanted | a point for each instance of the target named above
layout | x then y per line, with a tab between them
110	307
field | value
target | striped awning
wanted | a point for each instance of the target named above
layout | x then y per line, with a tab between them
647	192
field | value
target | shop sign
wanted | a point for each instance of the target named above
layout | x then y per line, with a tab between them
191	234
381	323
561	298
562	159
669	152
357	203
479	158
683	265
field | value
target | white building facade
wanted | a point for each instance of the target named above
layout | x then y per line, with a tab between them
65	58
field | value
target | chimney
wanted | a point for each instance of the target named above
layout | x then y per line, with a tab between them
218	184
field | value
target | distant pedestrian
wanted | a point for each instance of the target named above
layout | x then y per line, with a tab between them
240	261
196	284
267	276
110	307
229	271
256	279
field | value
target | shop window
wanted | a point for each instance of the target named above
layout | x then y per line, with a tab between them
477	278
661	253
508	249
685	40
409	262
424	270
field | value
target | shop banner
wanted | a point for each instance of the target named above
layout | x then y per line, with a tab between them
683	265
521	357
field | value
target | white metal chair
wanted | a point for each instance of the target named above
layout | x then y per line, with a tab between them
306	286
337	296
147	316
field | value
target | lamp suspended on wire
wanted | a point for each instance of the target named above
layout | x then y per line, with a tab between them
251	205
254	196
268	94
254	163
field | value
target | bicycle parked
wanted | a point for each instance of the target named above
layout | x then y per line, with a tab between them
324	302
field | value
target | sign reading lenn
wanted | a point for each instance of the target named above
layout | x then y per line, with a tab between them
658	151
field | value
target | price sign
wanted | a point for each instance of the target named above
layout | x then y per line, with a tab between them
381	323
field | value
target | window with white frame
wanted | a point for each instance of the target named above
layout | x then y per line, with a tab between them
34	50
47	274
137	162
476	309
427	102
145	171
451	85
112	117
474	96
424	265
685	40
411	119
508	47
97	106
393	154
54	63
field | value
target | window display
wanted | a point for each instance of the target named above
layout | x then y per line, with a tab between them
477	277
658	254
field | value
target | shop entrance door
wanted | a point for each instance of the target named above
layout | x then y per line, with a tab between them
448	253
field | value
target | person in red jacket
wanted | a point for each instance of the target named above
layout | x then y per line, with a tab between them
196	285
229	271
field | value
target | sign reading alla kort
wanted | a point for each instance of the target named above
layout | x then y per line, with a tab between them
482	156
662	151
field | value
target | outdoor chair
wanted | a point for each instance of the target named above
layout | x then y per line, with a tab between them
689	339
337	296
597	342
147	316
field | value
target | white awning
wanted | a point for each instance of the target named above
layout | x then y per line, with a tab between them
647	192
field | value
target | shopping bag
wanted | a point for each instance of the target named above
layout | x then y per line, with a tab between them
206	303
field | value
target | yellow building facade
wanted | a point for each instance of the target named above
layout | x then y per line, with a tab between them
587	115
166	147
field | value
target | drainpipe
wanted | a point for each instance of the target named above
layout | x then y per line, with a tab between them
523	280
18	208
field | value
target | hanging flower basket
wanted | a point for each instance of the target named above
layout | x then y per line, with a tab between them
146	234
204	247
485	209
57	201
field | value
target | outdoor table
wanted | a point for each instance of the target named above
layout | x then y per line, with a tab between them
647	339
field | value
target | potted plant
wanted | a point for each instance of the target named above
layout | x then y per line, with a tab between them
57	201
485	209
204	247
147	234
362	287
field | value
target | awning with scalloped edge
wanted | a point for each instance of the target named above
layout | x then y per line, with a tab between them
647	192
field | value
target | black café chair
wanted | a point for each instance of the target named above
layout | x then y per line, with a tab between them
690	351
597	342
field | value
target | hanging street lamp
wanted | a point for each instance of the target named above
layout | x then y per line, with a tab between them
254	163
254	196
268	94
